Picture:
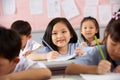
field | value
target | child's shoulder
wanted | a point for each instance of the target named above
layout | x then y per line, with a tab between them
25	63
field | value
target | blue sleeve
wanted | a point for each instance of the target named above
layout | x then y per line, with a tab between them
91	57
43	50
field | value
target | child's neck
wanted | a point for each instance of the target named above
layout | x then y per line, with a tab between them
90	40
63	50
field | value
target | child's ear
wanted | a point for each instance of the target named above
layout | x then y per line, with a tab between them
16	61
29	36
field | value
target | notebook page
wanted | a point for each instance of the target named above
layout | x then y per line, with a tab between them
63	58
108	76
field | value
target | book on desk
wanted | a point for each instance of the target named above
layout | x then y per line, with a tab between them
108	76
58	67
64	58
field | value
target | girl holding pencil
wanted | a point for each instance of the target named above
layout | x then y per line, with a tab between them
59	40
96	62
89	28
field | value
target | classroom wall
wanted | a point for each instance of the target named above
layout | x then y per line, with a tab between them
39	21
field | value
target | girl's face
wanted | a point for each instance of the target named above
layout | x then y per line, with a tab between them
61	35
113	49
88	29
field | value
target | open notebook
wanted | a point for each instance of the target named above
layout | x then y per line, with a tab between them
64	58
108	76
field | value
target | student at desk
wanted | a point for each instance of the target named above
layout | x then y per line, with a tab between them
88	29
59	40
93	62
24	30
14	68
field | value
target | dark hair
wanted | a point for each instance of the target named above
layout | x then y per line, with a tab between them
48	32
22	27
94	21
113	29
9	49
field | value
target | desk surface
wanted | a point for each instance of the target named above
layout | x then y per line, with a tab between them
66	77
58	67
57	63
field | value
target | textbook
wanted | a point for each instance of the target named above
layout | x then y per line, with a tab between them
108	76
64	58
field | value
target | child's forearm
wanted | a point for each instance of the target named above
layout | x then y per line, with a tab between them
77	69
31	74
36	56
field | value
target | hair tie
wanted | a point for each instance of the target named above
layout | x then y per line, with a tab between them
116	15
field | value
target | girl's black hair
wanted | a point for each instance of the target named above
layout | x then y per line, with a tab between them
48	33
96	24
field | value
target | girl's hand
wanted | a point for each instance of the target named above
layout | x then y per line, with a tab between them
52	55
79	51
103	67
32	51
83	43
94	42
117	69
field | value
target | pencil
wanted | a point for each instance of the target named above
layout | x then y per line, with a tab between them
48	45
99	47
80	40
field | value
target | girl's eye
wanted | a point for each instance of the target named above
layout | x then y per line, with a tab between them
91	27
64	31
85	27
54	33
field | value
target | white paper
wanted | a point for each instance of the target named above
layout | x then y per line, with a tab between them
116	8
90	11
8	6
53	7
36	6
109	76
114	1
70	8
64	58
91	2
105	14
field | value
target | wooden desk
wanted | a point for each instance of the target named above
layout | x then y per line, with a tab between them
58	67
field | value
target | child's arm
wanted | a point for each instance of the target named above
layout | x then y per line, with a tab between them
30	74
43	56
76	69
31	51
